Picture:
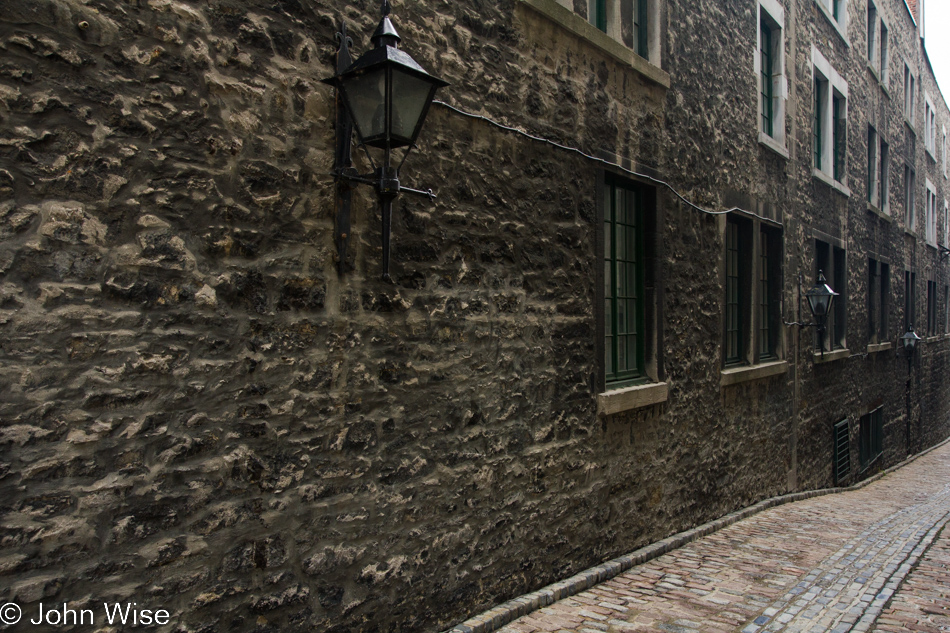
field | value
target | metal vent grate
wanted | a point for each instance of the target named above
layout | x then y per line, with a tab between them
842	452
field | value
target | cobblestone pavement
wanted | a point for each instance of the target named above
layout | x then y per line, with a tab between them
872	559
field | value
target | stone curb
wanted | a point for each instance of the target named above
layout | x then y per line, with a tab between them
507	612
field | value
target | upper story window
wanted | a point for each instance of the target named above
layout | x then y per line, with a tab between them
944	152
837	13
931	211
829	120
627	21
910	198
770	69
910	94
883	47
930	127
872	33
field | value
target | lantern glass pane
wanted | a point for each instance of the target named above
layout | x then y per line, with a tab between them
411	94
366	94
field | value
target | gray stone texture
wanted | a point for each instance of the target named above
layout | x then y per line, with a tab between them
200	414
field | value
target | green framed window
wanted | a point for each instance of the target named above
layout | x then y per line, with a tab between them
598	14
734	352
623	282
769	292
818	132
767	64
871	435
839	136
640	42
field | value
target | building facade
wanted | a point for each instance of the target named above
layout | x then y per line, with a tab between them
594	336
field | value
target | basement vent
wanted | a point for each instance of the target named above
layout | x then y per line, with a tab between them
842	452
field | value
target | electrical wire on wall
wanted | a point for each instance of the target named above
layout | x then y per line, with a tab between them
602	161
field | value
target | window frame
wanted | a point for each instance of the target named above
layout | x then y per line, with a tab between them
910	299
752	290
612	17
831	259
930	227
931	307
930	127
829	123
879	285
836	11
910	95
910	198
772	84
649	321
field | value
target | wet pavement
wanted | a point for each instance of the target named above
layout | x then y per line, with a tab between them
870	559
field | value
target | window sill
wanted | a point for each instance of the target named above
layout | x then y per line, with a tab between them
874	348
737	375
831	357
873	71
933	339
881	213
932	244
910	124
630	398
773	145
583	29
831	19
831	182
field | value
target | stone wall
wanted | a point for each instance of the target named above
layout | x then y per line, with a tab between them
201	415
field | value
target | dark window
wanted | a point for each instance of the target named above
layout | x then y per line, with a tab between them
640	28
735	296
872	165
872	29
910	300
817	127
623	282
767	63
599	14
931	308
871	436
839	136
831	261
753	286
770	291
879	283
884	178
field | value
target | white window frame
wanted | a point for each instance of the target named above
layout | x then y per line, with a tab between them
930	231
771	12
882	46
944	130
836	86
615	25
841	23
910	90
910	198
946	223
872	35
930	127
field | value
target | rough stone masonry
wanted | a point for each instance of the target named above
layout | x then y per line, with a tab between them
199	415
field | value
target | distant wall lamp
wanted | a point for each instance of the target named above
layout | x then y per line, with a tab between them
910	340
385	95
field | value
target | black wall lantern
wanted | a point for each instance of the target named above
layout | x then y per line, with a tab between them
387	95
910	340
820	299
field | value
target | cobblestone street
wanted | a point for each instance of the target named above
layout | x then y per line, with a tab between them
871	559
